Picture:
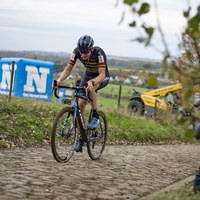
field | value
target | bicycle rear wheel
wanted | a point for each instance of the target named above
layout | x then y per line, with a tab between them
64	135
97	138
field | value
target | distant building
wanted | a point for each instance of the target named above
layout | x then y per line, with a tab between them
134	77
159	78
128	80
140	81
111	79
166	80
71	76
55	75
121	79
117	78
59	74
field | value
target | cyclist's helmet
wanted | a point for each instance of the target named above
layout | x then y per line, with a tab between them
85	43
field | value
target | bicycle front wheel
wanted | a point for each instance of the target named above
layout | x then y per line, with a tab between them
64	135
97	138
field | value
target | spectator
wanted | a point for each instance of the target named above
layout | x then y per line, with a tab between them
196	183
78	81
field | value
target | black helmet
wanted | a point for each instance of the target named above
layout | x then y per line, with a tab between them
85	43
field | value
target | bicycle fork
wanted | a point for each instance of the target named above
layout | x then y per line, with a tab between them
69	133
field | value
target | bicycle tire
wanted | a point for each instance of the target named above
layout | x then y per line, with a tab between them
97	138
63	145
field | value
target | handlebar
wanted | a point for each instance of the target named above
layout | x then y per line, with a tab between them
77	88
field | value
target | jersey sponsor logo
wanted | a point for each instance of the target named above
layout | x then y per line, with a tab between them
106	79
101	59
73	56
90	64
94	69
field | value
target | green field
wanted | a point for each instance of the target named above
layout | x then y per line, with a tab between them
112	89
126	91
32	120
119	68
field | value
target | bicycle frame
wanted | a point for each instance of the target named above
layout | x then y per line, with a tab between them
64	137
77	113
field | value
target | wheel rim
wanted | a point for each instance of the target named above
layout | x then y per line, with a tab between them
65	137
97	139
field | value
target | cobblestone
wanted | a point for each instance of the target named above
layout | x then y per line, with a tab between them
123	172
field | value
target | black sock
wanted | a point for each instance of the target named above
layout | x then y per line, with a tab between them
95	113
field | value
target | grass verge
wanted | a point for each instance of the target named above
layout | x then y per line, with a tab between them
26	122
182	194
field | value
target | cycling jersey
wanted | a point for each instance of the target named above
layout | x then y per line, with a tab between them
97	60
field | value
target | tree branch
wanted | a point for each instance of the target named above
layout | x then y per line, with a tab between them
187	75
117	3
160	30
189	65
197	48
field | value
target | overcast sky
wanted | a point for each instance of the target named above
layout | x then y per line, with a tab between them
56	25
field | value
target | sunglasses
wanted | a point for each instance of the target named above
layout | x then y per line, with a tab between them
85	52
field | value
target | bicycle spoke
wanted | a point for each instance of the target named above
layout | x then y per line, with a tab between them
97	138
64	135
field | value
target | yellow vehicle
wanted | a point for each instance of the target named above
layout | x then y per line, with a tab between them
145	102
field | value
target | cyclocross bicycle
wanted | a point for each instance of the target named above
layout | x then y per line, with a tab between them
69	128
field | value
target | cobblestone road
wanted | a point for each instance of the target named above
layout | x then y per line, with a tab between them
123	172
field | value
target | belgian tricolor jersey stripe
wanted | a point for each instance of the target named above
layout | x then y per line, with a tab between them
96	60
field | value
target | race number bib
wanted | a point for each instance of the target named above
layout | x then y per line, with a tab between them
72	56
101	59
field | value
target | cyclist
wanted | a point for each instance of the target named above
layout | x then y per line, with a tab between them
96	74
78	82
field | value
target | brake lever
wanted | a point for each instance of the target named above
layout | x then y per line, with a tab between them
87	93
55	90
